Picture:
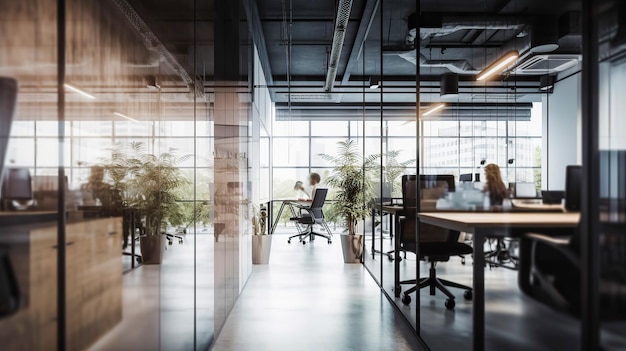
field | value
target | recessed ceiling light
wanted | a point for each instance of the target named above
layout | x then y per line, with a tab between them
81	92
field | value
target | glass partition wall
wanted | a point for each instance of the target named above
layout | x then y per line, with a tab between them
155	135
529	123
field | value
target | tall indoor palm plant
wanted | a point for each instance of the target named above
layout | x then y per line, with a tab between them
149	184
351	178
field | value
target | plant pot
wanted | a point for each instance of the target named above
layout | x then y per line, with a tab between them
261	247
352	247
152	249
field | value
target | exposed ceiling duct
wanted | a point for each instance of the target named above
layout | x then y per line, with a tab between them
153	43
339	35
435	25
455	66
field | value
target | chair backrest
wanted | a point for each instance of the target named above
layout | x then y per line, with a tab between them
573	187
318	202
432	187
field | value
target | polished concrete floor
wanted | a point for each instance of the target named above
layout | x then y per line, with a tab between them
308	299
164	307
513	321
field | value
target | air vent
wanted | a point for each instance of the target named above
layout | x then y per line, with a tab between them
544	64
510	97
312	97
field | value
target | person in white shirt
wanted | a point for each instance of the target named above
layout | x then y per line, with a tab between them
314	182
301	193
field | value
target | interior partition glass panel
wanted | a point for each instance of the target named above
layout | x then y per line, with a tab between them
611	213
366	131
29	193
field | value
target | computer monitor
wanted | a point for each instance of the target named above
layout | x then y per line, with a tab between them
523	190
552	197
468	177
465	177
573	187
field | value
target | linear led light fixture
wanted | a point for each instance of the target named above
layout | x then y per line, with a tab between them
81	92
498	66
124	116
434	109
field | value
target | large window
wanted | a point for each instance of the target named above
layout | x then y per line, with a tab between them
449	147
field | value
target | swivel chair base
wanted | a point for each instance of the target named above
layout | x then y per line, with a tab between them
435	283
311	235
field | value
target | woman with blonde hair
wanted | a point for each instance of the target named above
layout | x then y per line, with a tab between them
495	186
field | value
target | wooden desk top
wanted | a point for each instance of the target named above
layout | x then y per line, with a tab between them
467	221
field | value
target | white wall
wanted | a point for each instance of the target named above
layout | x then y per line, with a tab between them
561	130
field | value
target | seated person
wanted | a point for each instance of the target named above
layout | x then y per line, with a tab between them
300	191
495	185
314	182
110	198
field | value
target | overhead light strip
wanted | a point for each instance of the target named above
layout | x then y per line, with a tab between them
124	116
498	66
81	92
434	109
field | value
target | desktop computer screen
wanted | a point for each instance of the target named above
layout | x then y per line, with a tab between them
525	190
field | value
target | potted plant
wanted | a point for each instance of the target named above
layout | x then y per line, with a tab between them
351	178
393	169
149	183
261	241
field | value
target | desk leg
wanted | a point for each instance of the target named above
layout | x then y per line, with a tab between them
373	233
280	213
479	291
396	253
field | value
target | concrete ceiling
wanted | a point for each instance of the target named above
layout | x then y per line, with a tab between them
305	28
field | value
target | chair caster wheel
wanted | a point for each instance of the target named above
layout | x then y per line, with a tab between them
463	261
406	299
330	242
450	304
468	295
303	242
390	258
289	241
139	260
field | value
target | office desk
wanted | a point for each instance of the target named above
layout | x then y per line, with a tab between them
394	211
284	203
482	224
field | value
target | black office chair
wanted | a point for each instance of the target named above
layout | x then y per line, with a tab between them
436	244
311	215
550	265
9	288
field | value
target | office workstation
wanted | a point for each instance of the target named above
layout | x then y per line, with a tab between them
342	175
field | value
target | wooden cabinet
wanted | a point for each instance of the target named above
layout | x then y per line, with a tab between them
93	284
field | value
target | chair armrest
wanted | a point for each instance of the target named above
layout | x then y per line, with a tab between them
559	244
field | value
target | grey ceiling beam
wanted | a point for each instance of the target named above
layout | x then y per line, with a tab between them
258	36
369	12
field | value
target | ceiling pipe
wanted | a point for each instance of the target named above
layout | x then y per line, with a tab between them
153	43
339	35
